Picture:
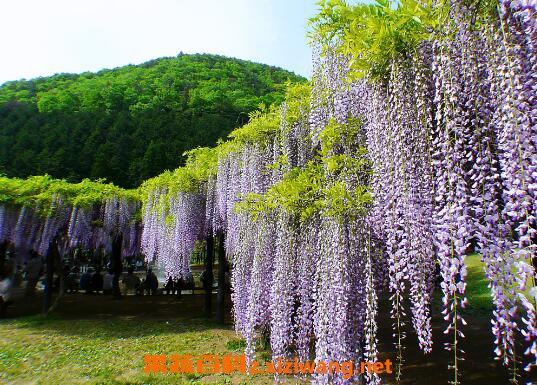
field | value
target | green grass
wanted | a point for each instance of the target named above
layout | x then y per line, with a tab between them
109	351
477	290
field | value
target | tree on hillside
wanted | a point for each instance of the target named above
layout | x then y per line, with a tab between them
130	123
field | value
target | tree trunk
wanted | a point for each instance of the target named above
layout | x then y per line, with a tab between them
117	265
61	289
3	250
220	299
209	277
52	253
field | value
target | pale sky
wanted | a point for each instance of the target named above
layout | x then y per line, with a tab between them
43	37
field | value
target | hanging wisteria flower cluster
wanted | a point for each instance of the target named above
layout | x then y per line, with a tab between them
172	226
86	227
303	247
450	135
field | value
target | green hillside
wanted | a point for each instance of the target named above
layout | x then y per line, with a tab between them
130	123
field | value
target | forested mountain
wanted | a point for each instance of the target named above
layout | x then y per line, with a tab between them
130	123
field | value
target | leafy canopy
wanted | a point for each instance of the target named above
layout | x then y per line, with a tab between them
39	192
373	35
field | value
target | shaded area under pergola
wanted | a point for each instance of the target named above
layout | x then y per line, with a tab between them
55	277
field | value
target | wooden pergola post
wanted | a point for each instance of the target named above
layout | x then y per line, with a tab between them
221	296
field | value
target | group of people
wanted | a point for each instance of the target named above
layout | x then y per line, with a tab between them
175	285
12	275
92	281
5	290
68	277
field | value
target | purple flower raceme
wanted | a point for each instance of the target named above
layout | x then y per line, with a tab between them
307	250
110	218
258	312
153	222
530	322
80	227
54	224
370	322
283	289
3	223
131	240
516	129
171	231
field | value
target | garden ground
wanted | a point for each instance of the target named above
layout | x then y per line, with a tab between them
99	340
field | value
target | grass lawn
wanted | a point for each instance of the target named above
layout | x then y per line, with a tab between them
478	292
77	347
98	340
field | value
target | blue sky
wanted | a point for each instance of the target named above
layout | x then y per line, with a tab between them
41	38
